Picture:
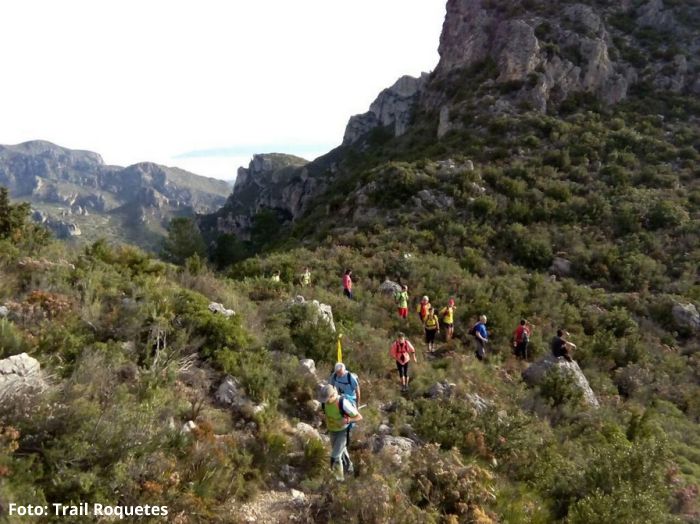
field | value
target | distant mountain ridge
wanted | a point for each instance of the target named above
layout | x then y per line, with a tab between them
134	203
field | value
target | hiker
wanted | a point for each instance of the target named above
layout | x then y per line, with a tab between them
481	335
306	277
431	326
340	412
401	351
347	283
275	276
401	298
346	383
521	339
448	319
560	346
423	308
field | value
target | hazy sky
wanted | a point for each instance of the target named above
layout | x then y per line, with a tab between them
203	84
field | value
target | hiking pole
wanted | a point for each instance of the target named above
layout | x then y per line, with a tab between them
362	406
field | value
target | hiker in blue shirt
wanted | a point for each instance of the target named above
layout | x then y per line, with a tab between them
481	335
346	383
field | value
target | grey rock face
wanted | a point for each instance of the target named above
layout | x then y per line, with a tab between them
215	307
396	449
442	389
535	373
307	365
687	316
229	392
389	287
560	267
20	376
274	183
322	311
393	107
554	55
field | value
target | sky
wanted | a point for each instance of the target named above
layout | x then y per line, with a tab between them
203	84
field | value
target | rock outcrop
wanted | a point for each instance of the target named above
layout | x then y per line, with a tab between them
686	316
274	183
392	108
20	376
535	373
396	449
389	287
547	53
321	311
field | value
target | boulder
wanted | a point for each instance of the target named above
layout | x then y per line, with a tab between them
306	432
442	389
188	427
229	392
20	375
215	307
4	311
307	365
560	267
396	449
323	311
534	374
478	403
686	316
389	287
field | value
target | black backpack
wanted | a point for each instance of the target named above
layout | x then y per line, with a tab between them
472	330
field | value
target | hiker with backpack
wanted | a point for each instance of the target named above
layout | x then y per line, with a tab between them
481	336
423	308
401	298
346	383
401	351
447	315
340	413
560	345
347	283
431	326
521	339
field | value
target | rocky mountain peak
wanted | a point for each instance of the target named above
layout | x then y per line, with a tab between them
392	107
547	51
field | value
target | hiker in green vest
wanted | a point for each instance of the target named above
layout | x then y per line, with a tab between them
401	298
306	277
431	326
340	413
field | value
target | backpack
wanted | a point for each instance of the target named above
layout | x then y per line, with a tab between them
524	337
340	406
472	330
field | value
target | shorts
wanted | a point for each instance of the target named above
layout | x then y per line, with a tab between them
430	335
403	312
448	325
403	369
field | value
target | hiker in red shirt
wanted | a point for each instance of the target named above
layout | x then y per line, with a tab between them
521	338
401	351
347	283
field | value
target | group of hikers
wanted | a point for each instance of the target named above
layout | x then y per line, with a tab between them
340	397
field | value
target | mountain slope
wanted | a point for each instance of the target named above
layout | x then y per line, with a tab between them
70	187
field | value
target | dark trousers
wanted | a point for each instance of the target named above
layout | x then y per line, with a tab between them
521	350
